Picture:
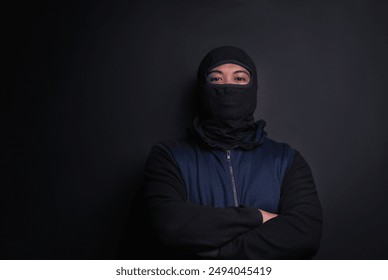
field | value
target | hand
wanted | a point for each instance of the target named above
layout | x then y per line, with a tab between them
267	215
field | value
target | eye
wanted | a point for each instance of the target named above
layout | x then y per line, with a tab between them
214	79
240	79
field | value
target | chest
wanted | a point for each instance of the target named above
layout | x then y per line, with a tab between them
223	178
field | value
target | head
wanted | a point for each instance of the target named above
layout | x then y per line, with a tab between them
227	89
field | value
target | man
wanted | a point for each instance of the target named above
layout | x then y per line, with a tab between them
228	191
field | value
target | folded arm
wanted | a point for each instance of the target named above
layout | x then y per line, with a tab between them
293	234
186	225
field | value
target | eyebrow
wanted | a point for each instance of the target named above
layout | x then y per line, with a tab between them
215	71
242	71
235	72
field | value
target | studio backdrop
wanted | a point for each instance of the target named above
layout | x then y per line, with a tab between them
95	84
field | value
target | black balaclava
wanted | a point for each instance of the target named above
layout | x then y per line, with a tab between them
225	111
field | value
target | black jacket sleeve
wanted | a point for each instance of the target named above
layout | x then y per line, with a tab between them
295	233
185	225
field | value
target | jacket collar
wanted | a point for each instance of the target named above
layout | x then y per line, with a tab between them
250	141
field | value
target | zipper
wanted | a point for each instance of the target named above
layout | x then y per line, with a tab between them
232	177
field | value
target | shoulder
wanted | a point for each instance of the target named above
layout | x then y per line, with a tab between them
291	159
175	149
278	148
173	146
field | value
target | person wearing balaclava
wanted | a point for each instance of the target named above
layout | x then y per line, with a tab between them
227	191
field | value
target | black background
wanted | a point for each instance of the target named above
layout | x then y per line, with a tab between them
95	84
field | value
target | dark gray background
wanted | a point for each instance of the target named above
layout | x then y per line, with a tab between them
95	84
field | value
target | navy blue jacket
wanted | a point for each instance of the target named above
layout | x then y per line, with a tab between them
224	178
204	200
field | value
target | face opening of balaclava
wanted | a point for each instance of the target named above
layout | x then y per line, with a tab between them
225	111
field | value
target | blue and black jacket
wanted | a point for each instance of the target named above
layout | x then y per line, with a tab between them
204	199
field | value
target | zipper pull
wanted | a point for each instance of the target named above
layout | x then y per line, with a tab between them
228	154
